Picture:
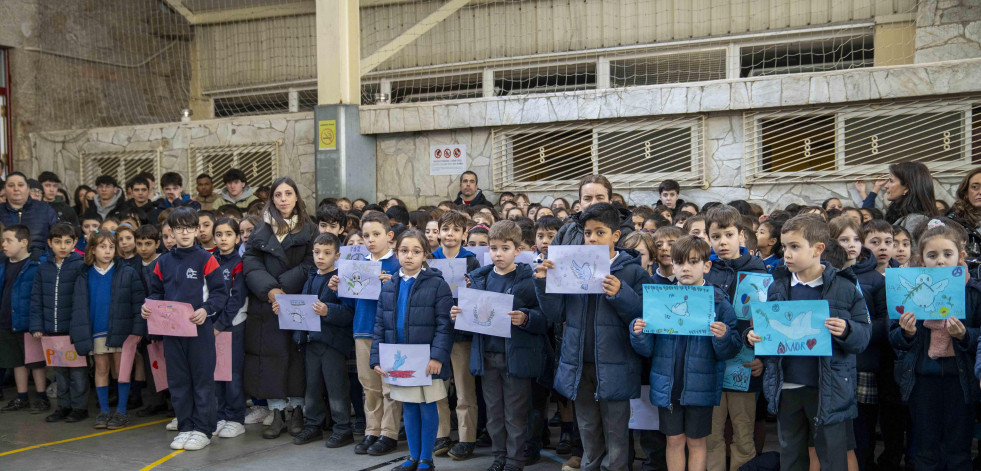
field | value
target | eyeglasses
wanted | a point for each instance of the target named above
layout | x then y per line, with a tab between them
407	252
184	229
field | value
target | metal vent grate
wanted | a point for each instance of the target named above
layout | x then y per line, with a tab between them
260	162
121	165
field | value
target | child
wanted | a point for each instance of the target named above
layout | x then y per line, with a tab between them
90	223
545	230
331	219
903	250
509	366
768	244
245	227
432	232
231	395
206	230
664	239
126	246
167	238
686	372
147	240
183	274
107	302
815	396
51	314
738	406
325	350
452	226
381	411
878	239
16	277
110	223
936	359
669	191
477	237
695	227
597	368
414	308
643	243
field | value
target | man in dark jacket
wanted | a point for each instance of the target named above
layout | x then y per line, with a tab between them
140	204
469	194
108	197
174	196
20	208
49	185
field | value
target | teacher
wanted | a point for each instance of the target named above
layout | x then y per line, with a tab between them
277	260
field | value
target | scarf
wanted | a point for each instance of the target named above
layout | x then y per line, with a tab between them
940	340
291	222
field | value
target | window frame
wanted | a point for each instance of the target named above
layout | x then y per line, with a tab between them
7	149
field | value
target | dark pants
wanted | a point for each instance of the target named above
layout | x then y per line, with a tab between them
231	394
73	387
894	424
325	368
864	427
944	424
655	446
795	419
537	417
508	401
602	426
191	379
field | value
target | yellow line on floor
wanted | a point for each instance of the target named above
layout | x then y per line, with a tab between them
82	437
161	460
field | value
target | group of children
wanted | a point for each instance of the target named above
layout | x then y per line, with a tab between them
589	349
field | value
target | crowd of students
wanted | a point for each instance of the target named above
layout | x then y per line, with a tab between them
86	271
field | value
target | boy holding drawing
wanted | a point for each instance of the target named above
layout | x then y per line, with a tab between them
815	396
597	368
16	278
190	274
325	350
509	366
686	371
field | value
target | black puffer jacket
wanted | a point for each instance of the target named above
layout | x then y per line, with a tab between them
873	286
52	295
571	231
128	297
273	362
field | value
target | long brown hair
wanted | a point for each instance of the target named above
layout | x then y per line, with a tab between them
919	198
96	238
300	210
419	236
963	209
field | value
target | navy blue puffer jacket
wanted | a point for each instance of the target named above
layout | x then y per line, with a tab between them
526	347
51	295
124	312
873	286
38	216
704	360
427	319
617	365
20	300
335	327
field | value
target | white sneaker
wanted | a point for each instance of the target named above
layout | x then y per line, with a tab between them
197	441
256	414
172	427
231	430
180	440
221	425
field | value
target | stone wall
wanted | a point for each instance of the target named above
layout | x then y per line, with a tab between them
947	30
59	151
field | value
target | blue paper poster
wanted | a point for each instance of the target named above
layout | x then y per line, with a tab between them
679	309
792	328
929	293
736	375
750	288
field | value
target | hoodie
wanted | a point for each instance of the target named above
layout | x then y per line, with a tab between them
478	199
243	200
105	211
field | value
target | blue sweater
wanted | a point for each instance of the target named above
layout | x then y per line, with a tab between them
366	309
100	296
190	276
403	306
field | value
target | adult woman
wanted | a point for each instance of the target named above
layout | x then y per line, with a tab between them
909	190
83	198
20	208
277	259
967	212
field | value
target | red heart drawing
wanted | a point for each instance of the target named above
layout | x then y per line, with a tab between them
742	276
155	365
899	309
811	343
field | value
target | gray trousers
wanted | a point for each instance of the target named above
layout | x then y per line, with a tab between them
326	367
795	423
73	387
602	426
508	403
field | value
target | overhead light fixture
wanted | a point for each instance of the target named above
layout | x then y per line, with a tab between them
186	115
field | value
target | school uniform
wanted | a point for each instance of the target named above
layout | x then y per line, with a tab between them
107	309
191	275
231	394
16	281
597	367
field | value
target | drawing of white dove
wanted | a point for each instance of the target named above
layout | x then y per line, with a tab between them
799	328
680	309
923	291
583	273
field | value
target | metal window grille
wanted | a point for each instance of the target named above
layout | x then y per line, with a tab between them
633	154
121	165
852	142
260	162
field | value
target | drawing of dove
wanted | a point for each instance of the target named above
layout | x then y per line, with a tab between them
583	273
923	291
680	309
799	328
399	360
356	282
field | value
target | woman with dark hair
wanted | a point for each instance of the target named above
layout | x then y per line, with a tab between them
909	190
560	203
83	198
967	212
277	259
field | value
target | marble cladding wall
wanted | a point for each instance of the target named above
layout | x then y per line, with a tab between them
947	29
60	151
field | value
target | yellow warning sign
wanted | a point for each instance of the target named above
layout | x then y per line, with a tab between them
327	134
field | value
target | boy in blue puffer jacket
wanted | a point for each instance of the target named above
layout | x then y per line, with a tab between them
51	314
815	396
686	372
597	368
16	277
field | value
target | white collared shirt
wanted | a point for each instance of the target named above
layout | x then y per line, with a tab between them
670	278
408	277
794	281
103	272
383	257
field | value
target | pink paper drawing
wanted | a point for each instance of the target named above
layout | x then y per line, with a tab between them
59	351
158	364
223	357
33	352
171	318
126	360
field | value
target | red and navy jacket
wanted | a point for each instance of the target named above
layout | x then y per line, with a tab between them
231	271
192	276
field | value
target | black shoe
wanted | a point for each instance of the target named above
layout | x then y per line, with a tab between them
337	440
565	444
307	435
432	467
532	457
101	420
556	420
58	415
117	421
497	465
151	410
462	450
134	402
15	405
483	439
382	446
77	415
359	426
512	467
295	423
41	405
442	446
277	427
409	465
366	442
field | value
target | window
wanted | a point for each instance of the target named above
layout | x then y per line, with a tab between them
694	66
838	53
260	162
121	165
633	154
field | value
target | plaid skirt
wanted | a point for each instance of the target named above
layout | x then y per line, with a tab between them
868	389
